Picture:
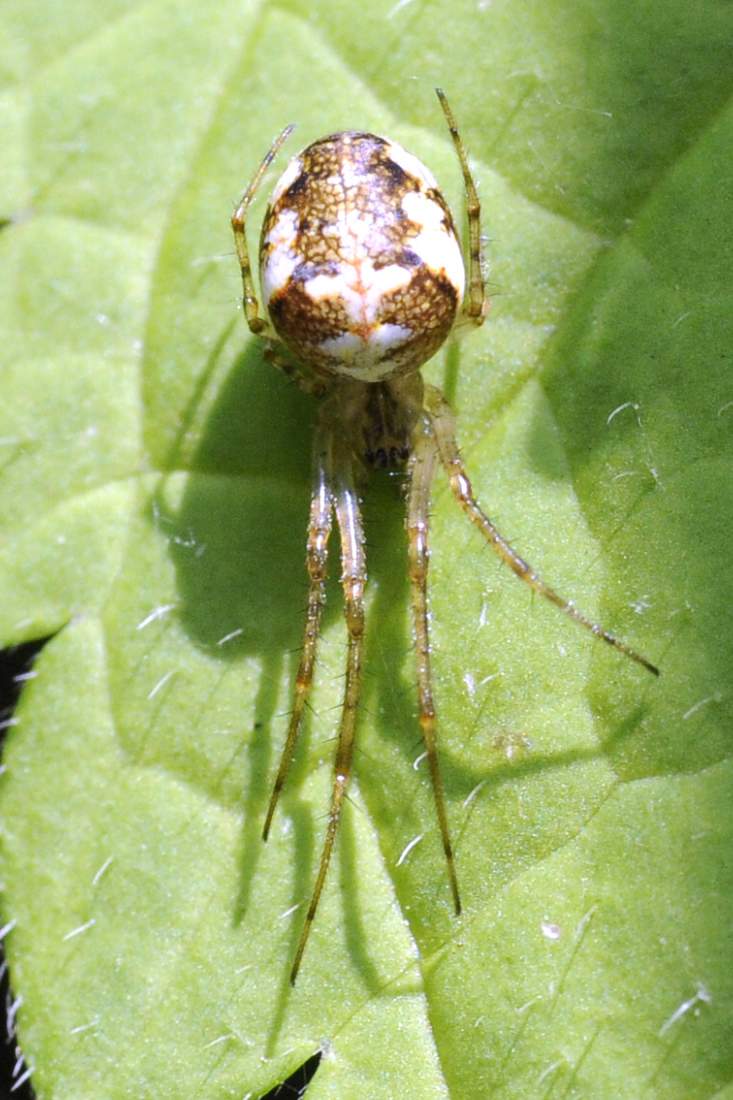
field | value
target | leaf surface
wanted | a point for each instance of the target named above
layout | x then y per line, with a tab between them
153	504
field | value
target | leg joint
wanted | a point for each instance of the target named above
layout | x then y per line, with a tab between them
354	614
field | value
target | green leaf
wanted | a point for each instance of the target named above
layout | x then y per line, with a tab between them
153	505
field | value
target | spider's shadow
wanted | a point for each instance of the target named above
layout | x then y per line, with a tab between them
246	505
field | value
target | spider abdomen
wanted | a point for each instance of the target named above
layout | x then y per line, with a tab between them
361	269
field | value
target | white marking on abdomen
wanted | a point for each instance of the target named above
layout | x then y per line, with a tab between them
362	288
436	246
289	176
368	359
282	259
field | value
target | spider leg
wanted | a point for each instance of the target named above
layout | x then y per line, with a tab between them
443	423
476	304
257	325
353	579
319	529
420	472
308	383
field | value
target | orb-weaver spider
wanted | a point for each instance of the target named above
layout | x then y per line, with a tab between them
363	279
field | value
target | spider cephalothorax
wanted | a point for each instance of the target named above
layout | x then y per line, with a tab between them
363	279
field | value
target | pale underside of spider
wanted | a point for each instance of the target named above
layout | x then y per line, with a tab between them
363	279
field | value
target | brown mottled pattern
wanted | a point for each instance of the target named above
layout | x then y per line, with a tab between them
350	176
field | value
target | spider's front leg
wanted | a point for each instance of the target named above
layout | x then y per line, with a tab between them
443	423
257	324
420	474
311	384
353	579
275	352
476	304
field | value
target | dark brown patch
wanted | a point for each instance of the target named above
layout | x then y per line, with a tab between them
395	176
427	306
303	324
408	258
297	187
306	271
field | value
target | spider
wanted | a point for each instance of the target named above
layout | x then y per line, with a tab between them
363	279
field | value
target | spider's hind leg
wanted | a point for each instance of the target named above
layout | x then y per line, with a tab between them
353	579
319	529
420	473
443	423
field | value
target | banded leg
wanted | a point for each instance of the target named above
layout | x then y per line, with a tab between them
307	382
476	304
353	579
257	324
444	426
319	529
420	473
